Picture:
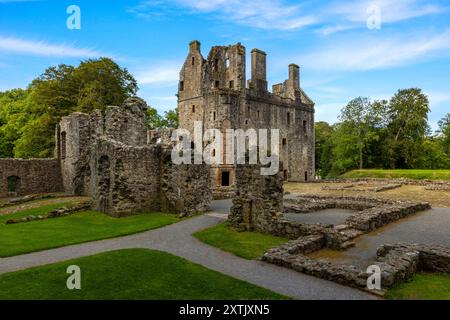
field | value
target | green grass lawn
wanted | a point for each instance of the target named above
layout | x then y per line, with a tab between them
410	173
129	274
80	227
423	286
248	245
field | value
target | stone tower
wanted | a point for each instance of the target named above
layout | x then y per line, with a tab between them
215	91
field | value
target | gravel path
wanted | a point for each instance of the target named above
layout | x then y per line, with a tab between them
177	239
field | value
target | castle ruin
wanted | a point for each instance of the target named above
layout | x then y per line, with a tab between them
215	92
111	155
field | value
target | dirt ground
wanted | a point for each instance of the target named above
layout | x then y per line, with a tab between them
40	203
405	192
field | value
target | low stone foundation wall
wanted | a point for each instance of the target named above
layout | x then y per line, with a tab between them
438	187
397	262
61	212
371	213
365	188
311	203
402	181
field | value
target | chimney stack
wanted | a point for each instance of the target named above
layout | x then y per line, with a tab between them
294	76
258	72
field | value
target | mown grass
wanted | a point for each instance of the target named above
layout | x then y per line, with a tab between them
400	173
129	274
423	286
80	227
248	245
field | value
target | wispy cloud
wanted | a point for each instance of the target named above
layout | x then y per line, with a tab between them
437	97
338	16
347	15
41	48
263	14
163	73
378	52
391	11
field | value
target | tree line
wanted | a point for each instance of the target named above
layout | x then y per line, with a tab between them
28	117
385	134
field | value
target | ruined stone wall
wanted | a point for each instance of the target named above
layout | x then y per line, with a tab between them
258	199
125	179
184	188
130	180
20	177
106	155
126	123
74	145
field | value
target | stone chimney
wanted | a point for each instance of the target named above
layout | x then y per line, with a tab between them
258	72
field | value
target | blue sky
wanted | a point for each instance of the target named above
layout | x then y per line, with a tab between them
340	57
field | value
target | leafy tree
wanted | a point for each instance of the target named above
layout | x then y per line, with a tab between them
13	117
103	83
61	90
433	156
170	119
444	133
408	114
323	145
359	118
156	121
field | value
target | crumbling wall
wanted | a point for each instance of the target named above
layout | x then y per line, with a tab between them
126	123
20	177
125	178
258	199
74	138
129	176
185	188
131	180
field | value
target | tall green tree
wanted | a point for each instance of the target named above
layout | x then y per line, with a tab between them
444	133
323	148
61	90
408	114
359	118
13	117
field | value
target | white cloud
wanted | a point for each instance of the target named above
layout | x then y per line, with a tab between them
164	73
263	14
437	97
339	16
41	48
360	54
391	11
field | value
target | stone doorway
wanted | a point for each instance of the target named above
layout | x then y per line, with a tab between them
225	179
13	184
